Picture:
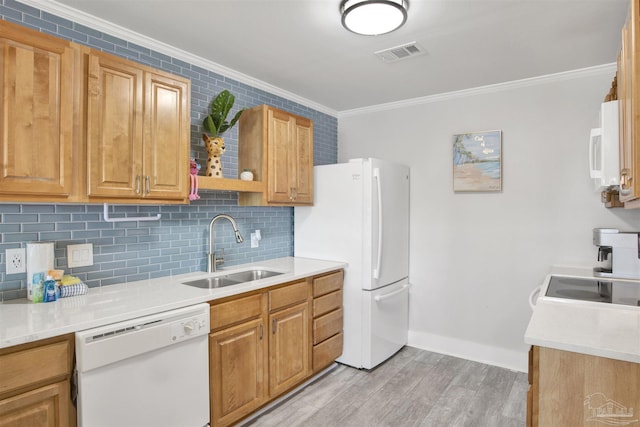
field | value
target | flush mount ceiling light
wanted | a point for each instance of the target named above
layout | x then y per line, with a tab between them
373	17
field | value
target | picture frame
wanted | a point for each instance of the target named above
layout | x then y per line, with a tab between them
477	161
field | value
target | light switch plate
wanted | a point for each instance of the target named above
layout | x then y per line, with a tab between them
79	255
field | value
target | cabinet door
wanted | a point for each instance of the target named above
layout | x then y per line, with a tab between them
237	366
45	406
578	390
625	95
166	137
303	162
281	157
36	113
114	127
289	347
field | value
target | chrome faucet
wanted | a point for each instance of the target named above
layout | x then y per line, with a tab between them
212	260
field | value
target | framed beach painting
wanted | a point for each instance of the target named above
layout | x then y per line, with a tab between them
477	161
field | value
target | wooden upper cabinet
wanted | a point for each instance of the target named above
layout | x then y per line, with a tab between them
166	136
627	104
277	147
79	125
114	127
628	74
36	114
138	131
290	159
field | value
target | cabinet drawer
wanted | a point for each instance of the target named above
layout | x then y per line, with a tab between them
288	295
235	311
327	326
327	303
329	283
36	365
327	352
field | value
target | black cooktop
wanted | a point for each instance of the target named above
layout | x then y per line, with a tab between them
595	289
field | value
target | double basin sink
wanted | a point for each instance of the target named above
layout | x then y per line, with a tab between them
232	279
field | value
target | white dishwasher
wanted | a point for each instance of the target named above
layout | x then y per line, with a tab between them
148	371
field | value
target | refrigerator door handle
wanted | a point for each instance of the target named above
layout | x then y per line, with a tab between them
379	298
376	175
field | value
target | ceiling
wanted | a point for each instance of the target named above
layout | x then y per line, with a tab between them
301	47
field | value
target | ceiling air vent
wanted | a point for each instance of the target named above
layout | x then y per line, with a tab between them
404	51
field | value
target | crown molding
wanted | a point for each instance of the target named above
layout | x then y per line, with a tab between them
112	29
99	24
499	87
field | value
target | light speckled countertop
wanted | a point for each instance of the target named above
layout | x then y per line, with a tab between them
22	321
594	328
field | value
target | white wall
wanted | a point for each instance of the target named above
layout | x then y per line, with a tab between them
476	257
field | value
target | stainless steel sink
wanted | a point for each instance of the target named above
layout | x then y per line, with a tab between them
212	282
249	275
231	279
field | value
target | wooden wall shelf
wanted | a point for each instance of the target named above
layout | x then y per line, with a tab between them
228	184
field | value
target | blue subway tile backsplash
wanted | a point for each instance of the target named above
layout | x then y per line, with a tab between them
177	243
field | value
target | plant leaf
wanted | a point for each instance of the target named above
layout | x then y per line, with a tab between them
235	118
220	107
210	126
216	122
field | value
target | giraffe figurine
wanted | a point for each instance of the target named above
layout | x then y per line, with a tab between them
215	148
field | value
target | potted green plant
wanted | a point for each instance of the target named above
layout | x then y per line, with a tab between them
216	124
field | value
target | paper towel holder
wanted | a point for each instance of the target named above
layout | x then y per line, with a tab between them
129	218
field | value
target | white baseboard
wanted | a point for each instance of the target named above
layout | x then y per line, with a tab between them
496	356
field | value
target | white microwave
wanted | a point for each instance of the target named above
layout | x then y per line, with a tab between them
604	148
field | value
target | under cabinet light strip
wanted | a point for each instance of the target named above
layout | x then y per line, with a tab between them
143	218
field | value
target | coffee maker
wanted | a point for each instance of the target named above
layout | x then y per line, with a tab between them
618	252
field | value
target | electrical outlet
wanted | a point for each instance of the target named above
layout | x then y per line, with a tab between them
15	261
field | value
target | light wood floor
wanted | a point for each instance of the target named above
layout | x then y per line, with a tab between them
414	388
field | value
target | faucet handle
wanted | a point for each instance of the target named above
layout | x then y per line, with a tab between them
219	259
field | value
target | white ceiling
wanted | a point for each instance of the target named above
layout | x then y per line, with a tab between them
301	47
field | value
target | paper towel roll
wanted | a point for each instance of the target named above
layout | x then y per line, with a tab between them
40	258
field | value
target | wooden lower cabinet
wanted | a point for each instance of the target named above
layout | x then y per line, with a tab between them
574	389
327	336
237	359
261	346
35	384
288	348
45	406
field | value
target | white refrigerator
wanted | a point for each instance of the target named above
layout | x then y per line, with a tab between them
361	216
